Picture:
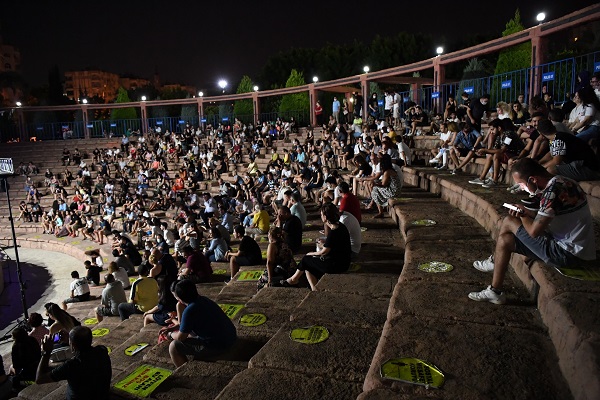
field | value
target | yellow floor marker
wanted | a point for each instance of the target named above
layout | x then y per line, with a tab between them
413	370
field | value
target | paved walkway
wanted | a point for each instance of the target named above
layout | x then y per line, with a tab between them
46	274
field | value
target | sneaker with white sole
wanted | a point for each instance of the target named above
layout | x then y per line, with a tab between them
477	181
513	187
486	265
434	161
490	183
488	294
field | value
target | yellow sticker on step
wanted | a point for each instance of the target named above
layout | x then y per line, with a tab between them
89	248
424	222
91	321
144	380
249	276
264	254
100	332
413	370
231	310
136	348
306	240
75	242
310	334
354	267
221	271
253	319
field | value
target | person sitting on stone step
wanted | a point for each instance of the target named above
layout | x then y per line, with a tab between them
560	233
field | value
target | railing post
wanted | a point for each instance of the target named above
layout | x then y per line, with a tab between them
439	78
84	113
312	94
22	130
256	106
538	44
144	115
364	90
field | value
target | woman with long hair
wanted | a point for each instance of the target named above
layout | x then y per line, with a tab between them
280	259
166	304
62	323
389	186
332	257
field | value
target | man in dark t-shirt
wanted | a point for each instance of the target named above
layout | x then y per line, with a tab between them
88	373
197	267
476	109
568	156
212	330
292	226
249	252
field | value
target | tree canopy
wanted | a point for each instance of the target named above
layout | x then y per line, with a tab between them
123	113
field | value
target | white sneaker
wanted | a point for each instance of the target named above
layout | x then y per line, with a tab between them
488	294
477	181
486	265
434	161
490	183
513	187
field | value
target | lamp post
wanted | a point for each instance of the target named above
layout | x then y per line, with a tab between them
315	79
540	17
200	94
143	98
84	101
366	69
439	50
255	88
223	84
19	104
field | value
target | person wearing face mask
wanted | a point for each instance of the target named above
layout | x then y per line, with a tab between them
560	233
476	109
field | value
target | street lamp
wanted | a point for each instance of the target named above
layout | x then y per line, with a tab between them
223	84
439	50
366	69
200	94
143	98
19	104
540	17
255	88
84	101
315	79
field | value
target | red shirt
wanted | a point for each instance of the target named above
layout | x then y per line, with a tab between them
349	202
199	265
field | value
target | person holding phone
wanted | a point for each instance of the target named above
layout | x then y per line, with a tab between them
560	233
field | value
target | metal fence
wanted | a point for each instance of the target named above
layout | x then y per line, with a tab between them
559	77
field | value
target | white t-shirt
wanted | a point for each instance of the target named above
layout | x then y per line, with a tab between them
589	110
405	153
389	99
80	286
121	276
353	226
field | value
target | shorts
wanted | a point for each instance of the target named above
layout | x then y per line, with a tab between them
197	348
463	151
245	261
77	299
544	248
507	156
106	311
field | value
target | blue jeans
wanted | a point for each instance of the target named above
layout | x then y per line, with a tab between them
591	132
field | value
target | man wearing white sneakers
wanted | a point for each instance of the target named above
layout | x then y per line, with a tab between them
560	234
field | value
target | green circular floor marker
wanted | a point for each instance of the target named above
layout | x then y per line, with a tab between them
253	319
424	222
221	271
91	321
306	240
435	267
413	370
310	334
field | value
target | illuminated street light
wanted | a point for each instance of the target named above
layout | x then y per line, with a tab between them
19	104
200	94
84	101
366	69
439	50
255	88
143	98
541	17
223	84
315	79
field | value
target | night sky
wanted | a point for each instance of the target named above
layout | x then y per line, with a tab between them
199	42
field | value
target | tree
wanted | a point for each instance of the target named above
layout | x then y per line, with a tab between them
296	104
516	57
472	74
244	108
123	113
